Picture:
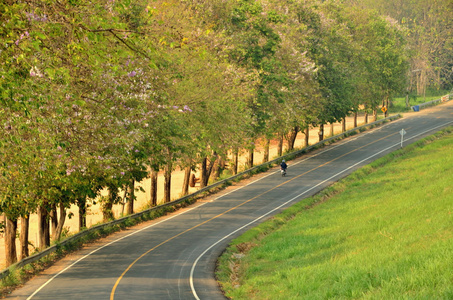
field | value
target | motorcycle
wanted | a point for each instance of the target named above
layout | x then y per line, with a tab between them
283	172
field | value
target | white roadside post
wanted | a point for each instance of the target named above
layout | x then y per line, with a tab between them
402	132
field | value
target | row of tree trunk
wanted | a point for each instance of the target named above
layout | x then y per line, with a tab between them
48	222
51	218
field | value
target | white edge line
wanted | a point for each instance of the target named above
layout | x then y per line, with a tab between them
130	234
108	244
191	273
266	214
296	163
192	270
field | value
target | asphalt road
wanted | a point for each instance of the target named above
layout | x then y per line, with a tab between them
174	257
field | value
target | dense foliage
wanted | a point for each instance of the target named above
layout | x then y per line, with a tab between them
429	34
99	94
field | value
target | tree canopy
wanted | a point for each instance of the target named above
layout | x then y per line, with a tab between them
99	94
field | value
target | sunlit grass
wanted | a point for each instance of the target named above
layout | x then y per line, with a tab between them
399	103
386	233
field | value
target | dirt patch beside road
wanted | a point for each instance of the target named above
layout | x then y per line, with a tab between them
94	215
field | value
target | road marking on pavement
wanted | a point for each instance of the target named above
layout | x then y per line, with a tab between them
169	218
112	294
192	270
108	244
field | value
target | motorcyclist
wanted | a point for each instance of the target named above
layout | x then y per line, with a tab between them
283	165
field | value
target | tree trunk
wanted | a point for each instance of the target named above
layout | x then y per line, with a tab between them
61	219
250	159
407	98
366	117
292	137
332	127
355	119
267	143
131	198
153	190
216	169
209	171
206	170
167	184
107	207
343	125
124	200
82	203
24	232
235	161
280	145
43	228
53	219
220	166
421	83
10	241
375	115
167	176
321	132
107	204
185	184
307	136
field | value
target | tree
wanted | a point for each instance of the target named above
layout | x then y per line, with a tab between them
388	64
429	37
97	94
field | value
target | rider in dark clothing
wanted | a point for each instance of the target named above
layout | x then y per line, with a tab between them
283	165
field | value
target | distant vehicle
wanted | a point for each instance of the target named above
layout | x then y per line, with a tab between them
283	172
283	167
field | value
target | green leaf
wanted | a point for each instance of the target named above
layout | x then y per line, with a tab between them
50	73
40	35
80	102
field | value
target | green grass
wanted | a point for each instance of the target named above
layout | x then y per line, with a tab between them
385	232
399	103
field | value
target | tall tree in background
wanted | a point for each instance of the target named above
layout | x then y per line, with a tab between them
328	47
255	45
429	36
301	92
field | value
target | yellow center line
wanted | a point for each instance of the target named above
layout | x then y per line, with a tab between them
112	294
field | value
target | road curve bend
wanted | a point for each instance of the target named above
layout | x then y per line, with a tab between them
174	257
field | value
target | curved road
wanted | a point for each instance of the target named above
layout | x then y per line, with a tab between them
174	257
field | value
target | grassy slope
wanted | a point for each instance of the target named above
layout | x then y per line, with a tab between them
399	103
385	232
